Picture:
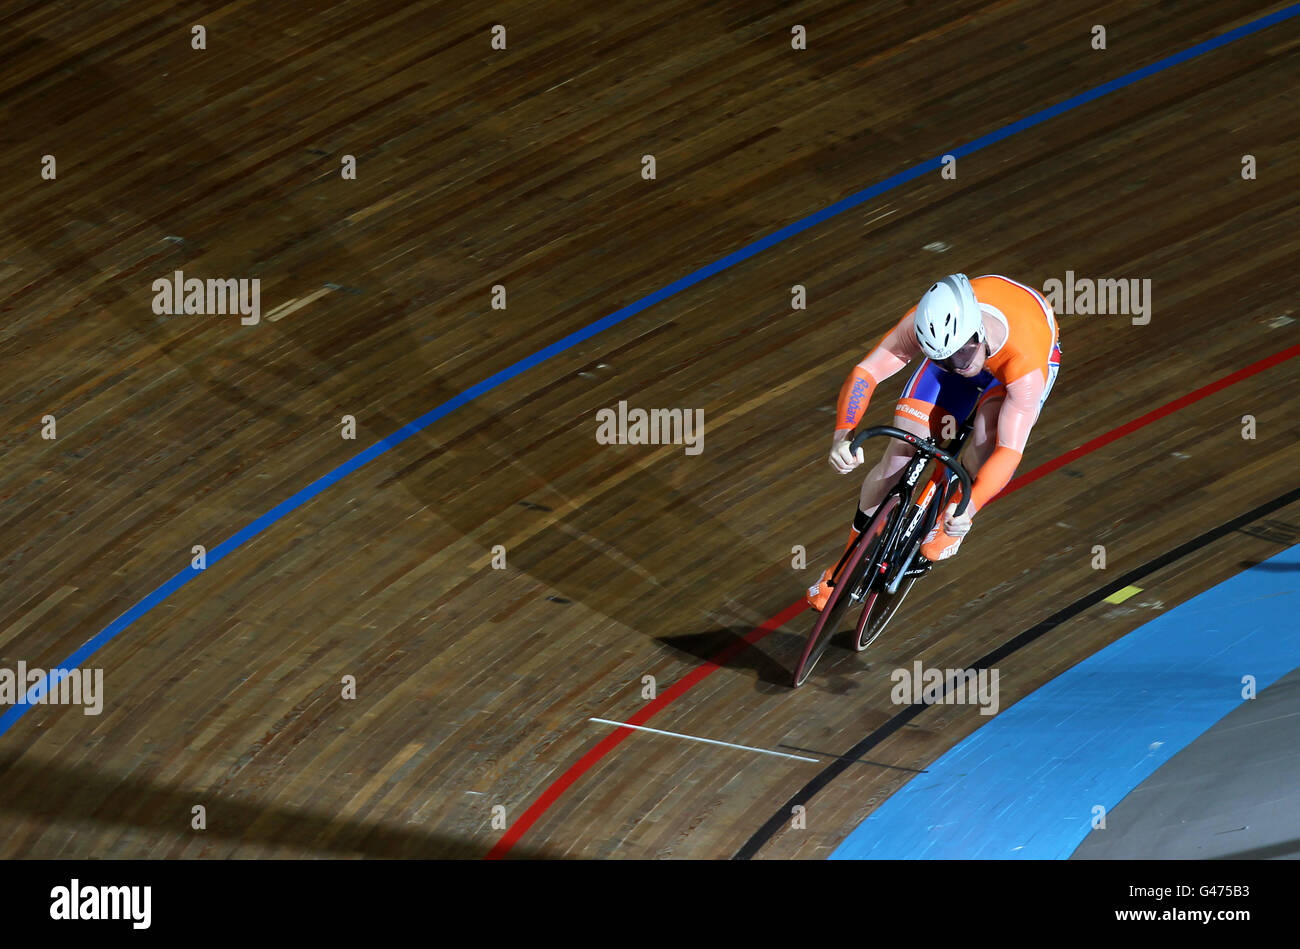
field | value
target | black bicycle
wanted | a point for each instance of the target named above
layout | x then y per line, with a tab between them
883	564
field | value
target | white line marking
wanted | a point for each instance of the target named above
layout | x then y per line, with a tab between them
726	744
290	306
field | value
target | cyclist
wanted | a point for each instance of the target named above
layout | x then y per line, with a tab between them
990	342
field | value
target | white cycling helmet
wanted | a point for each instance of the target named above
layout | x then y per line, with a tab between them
947	317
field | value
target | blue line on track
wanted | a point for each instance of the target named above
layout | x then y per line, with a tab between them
229	546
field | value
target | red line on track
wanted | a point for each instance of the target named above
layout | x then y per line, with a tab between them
610	741
1167	409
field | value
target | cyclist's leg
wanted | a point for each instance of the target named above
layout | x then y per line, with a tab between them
912	414
932	405
890	466
916	413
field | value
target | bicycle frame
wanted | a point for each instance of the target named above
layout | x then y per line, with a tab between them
922	518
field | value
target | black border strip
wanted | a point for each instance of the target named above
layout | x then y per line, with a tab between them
841	764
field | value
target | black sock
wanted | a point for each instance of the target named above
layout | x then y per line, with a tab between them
860	520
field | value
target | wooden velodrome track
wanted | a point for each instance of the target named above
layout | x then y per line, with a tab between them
521	167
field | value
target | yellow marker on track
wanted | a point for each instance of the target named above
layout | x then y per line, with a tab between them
1119	596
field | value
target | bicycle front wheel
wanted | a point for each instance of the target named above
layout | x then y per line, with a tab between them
850	588
880	609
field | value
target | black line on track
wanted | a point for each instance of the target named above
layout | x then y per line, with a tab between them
842	763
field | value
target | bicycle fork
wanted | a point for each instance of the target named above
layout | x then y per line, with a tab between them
912	529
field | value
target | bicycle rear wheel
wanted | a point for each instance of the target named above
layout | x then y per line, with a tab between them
848	589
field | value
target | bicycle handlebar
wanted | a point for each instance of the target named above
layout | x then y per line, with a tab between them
924	446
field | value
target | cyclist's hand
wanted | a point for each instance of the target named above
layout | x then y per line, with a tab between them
842	459
953	525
